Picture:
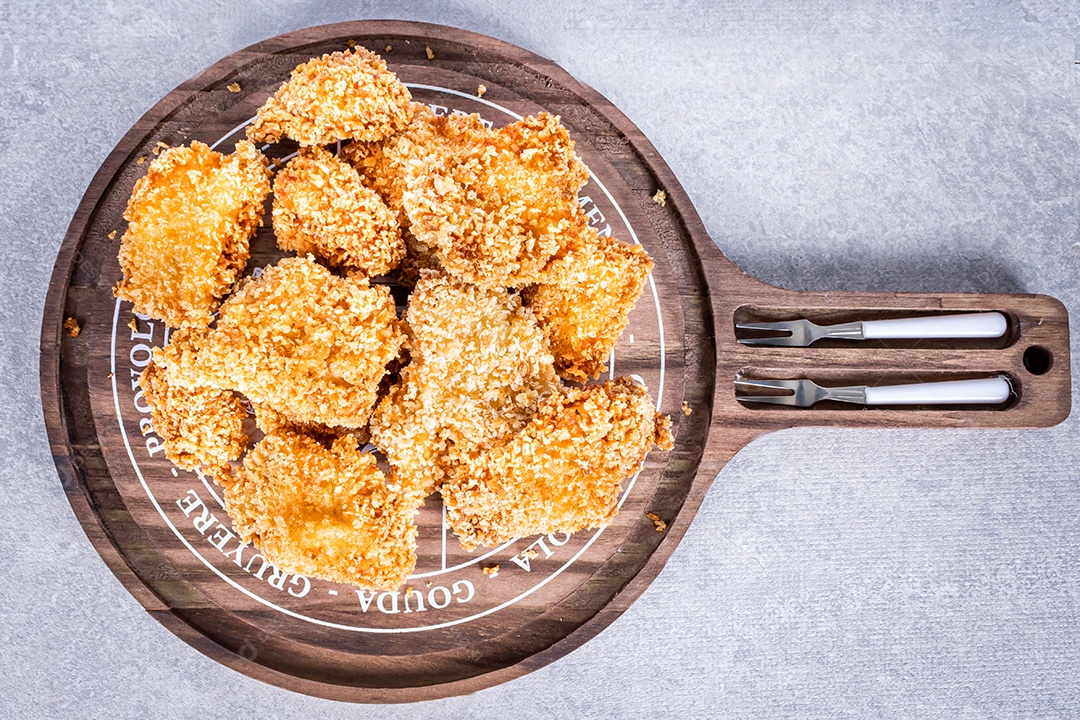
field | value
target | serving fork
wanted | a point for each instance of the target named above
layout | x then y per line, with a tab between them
802	332
804	393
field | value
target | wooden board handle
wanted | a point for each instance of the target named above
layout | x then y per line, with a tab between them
1032	353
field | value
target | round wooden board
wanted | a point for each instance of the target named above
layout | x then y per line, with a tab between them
454	629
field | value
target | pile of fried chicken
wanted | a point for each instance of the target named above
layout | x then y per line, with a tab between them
511	290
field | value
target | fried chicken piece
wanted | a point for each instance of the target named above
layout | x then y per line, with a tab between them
323	512
583	317
202	428
311	345
495	204
336	97
190	221
321	207
480	367
563	472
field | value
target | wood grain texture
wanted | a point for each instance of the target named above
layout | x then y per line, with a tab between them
323	639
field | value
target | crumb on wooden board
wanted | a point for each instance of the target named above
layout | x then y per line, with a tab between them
661	526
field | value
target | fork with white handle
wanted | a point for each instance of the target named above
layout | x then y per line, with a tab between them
802	333
804	393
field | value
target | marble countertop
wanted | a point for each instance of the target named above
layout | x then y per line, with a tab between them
827	146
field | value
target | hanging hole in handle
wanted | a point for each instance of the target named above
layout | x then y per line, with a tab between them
1038	360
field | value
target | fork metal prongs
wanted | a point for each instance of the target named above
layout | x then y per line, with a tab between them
801	332
804	392
789	398
797	333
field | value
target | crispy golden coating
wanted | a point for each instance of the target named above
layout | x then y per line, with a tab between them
190	220
203	428
382	167
563	472
496	203
341	96
271	422
311	345
583	317
323	512
321	207
480	367
382	164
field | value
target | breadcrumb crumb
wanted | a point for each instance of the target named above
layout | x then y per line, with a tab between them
660	198
427	51
661	526
112	235
321	207
686	409
492	571
480	90
233	87
340	96
71	325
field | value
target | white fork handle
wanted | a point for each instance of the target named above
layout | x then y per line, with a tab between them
984	391
970	325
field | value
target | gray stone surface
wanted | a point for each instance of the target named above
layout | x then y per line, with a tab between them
827	145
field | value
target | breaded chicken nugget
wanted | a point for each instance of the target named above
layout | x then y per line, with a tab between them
311	345
563	472
190	220
203	428
480	367
323	512
321	207
583	317
336	97
495	203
